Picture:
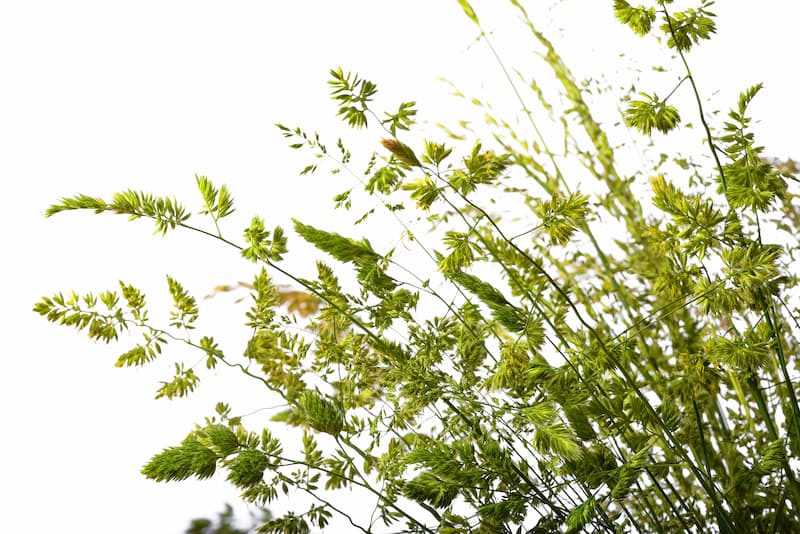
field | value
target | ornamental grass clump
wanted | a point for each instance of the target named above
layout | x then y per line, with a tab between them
503	362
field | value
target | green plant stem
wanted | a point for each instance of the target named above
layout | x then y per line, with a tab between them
334	508
698	100
702	477
567	299
555	63
343	440
755	390
288	461
361	326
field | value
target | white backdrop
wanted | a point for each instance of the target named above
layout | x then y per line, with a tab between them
97	97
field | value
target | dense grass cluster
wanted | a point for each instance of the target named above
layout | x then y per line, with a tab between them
541	375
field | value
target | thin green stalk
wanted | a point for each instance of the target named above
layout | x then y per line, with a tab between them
585	227
703	478
597	337
288	461
773	433
701	112
344	440
700	429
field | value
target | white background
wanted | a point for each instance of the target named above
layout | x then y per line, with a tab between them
97	97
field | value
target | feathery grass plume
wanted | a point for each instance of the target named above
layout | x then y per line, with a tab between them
322	414
639	19
179	463
223	439
401	151
342	248
650	113
247	468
